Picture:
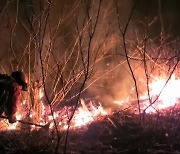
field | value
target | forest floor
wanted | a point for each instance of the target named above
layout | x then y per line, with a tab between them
119	133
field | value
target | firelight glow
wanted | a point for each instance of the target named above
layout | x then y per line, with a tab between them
84	116
86	113
167	94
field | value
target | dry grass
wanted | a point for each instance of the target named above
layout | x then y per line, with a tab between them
157	136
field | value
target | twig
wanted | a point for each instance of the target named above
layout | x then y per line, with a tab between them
123	33
111	122
25	122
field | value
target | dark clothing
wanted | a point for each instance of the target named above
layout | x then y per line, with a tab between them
9	95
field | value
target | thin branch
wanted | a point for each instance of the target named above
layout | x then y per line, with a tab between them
27	123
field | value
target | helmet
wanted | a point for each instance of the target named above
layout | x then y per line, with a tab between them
20	78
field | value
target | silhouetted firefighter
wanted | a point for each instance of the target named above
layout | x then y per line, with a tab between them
10	89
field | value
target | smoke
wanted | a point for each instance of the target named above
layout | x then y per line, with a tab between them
118	84
69	22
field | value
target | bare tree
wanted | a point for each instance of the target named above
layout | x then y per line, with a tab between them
67	47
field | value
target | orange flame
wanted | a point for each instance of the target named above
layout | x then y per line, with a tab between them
168	94
163	94
85	114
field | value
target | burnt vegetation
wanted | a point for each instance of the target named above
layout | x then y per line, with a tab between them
120	135
97	50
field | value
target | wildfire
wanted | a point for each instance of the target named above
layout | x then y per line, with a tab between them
162	94
86	113
166	93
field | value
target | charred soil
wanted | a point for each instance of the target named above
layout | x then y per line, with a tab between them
120	132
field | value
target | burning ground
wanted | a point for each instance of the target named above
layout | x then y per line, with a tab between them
119	132
119	59
95	129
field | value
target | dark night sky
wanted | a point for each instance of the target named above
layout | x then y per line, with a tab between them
170	13
169	8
